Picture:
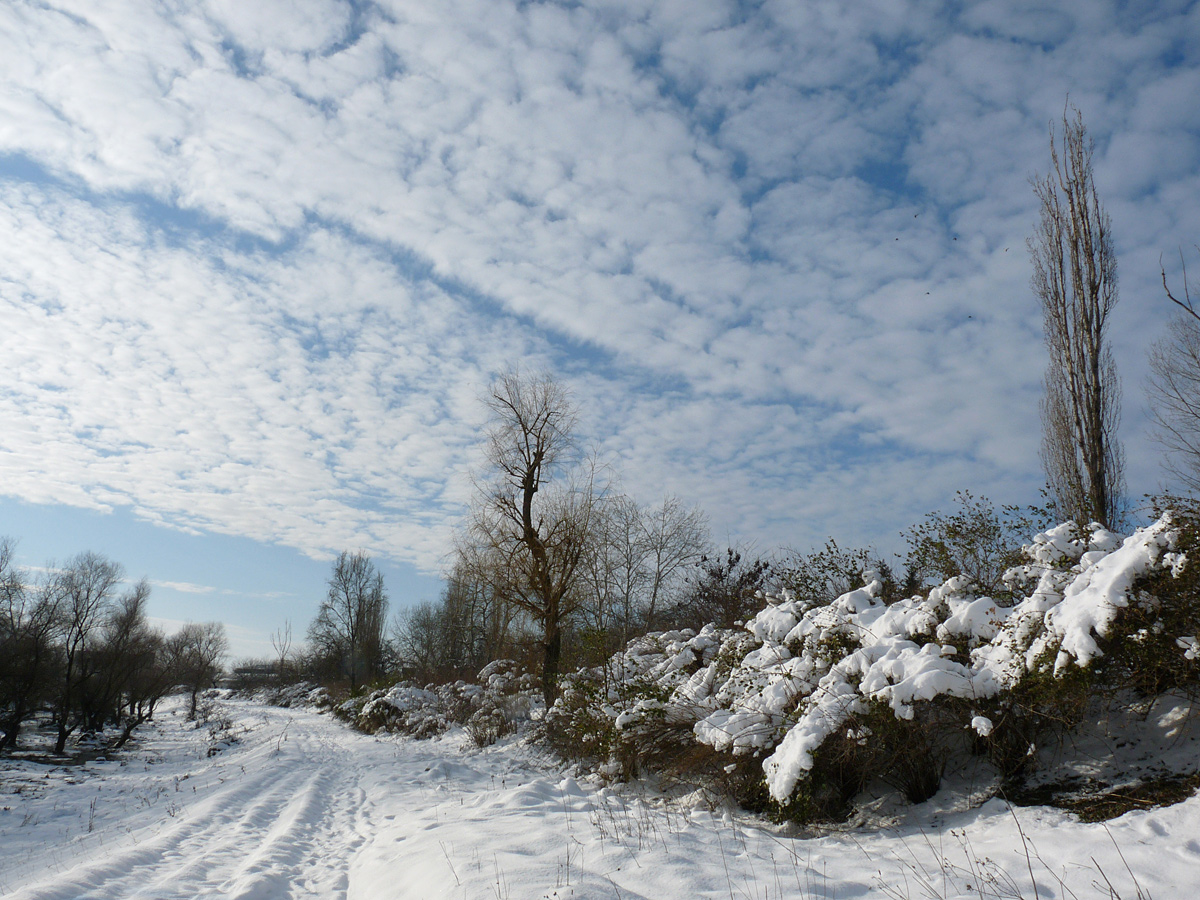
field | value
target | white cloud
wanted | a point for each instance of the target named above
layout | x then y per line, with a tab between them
185	587
780	252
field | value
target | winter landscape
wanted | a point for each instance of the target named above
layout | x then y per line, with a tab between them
599	448
283	792
298	805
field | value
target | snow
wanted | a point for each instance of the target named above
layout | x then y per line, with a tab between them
299	805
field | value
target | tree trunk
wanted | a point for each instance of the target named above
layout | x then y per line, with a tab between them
553	653
12	728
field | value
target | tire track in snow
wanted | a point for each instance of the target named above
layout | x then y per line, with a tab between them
284	820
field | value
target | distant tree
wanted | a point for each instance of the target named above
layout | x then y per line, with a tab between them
639	555
149	680
1174	388
612	579
676	537
114	658
281	641
1075	277
527	534
455	637
194	655
131	670
349	627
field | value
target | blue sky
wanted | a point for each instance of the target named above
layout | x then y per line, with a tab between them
258	262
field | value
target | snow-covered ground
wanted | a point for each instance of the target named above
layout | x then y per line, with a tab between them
301	806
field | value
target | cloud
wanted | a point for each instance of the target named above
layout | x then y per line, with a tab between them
258	265
185	587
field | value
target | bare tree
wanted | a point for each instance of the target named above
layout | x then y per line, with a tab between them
114	656
639	555
150	679
676	538
195	653
527	537
82	594
613	576
28	620
281	641
350	623
1075	277
1174	389
129	667
455	637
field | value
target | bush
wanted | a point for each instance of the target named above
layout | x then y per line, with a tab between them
819	698
976	540
1152	647
489	709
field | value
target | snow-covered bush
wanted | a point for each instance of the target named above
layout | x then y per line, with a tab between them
618	714
825	696
492	707
407	709
299	694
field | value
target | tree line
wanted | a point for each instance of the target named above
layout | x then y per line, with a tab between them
76	645
634	564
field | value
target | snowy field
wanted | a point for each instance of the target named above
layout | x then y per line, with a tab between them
298	805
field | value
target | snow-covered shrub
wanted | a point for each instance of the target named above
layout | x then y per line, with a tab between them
632	714
300	694
490	708
1075	588
506	700
405	709
1149	648
825	696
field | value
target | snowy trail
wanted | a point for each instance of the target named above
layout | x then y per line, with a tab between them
303	807
278	819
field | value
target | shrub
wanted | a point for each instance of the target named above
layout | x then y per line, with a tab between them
488	709
796	711
975	540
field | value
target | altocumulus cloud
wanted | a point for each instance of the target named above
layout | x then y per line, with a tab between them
258	260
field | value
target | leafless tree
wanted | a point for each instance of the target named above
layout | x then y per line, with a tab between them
527	533
28	620
281	641
195	653
150	679
613	576
639	555
1174	388
83	595
1075	277
113	658
350	624
676	537
129	667
455	637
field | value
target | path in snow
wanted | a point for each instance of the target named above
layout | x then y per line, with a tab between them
303	807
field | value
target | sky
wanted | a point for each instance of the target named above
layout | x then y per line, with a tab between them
259	262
